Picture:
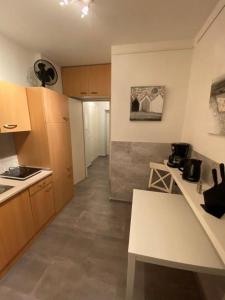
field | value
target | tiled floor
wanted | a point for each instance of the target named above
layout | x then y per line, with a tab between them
82	255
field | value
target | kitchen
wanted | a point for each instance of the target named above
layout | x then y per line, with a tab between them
65	235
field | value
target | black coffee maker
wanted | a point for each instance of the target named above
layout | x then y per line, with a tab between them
180	152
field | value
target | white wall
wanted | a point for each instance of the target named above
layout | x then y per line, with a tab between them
208	65
170	68
102	107
77	139
15	62
8	156
95	130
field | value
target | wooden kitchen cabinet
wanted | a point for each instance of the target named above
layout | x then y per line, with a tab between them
60	146
14	113
100	80
76	81
48	145
87	81
16	225
56	107
3	257
42	204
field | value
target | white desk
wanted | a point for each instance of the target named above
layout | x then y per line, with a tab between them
165	231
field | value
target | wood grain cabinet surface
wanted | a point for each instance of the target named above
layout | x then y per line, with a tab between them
48	145
42	204
76	81
87	81
100	80
56	107
3	257
16	226
14	113
61	159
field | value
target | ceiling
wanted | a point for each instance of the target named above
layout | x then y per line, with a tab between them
60	34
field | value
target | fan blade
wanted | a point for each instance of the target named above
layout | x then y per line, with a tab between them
51	73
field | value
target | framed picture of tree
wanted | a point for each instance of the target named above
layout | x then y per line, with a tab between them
146	103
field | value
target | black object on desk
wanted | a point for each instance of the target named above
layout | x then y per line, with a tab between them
215	196
191	169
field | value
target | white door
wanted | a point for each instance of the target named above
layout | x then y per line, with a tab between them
77	139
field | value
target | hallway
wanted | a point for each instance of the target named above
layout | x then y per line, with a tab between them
82	255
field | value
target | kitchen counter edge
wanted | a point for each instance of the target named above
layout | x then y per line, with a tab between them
19	186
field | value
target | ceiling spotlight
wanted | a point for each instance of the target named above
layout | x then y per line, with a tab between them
85	4
84	11
65	2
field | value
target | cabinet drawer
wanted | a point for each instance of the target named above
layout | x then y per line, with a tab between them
40	185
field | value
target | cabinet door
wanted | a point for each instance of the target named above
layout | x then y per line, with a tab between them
16	224
75	81
14	113
56	107
61	161
100	80
42	203
3	259
68	187
68	180
32	148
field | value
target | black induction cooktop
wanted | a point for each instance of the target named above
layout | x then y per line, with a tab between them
20	173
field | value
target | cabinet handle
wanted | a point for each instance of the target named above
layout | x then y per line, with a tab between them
48	190
83	93
65	118
94	93
10	126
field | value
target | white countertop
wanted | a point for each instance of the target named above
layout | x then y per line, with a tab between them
165	231
19	186
215	228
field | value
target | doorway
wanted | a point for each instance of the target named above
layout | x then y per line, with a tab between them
96	115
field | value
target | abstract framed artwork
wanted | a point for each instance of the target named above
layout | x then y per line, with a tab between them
217	108
146	103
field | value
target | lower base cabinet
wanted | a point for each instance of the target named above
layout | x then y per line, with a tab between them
3	259
42	203
16	226
22	216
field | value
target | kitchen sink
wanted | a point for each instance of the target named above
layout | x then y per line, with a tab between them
4	188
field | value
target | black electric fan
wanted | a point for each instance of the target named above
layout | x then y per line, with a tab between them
45	72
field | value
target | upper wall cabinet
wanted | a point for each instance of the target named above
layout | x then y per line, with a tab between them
87	81
14	113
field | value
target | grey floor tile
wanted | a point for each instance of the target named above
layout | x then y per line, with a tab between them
10	294
82	254
24	276
62	272
101	224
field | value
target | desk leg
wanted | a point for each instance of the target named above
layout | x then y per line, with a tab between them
130	276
